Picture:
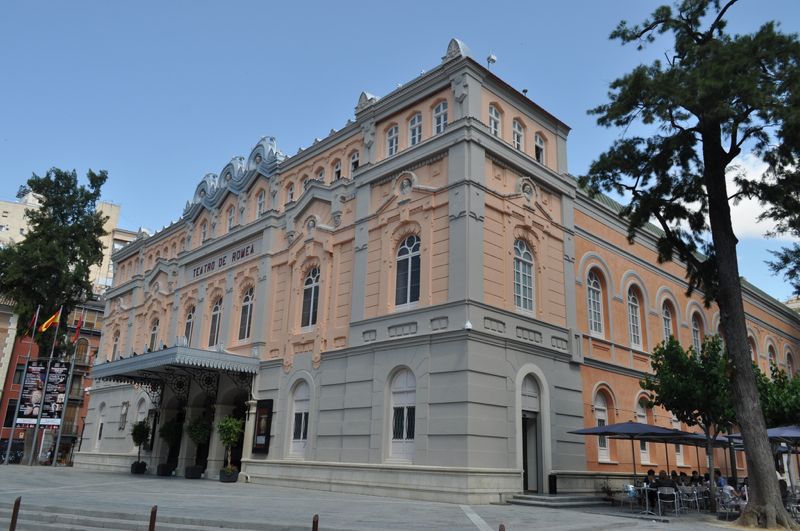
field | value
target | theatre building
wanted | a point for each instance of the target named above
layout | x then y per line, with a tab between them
422	304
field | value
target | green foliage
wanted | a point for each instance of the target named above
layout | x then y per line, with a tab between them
51	265
199	430
230	429
780	397
140	433
171	431
693	386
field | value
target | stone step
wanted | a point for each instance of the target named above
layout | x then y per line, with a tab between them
82	519
557	501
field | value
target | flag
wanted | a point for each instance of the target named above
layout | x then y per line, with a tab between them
53	320
78	329
29	331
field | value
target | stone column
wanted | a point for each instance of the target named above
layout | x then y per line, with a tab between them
216	452
188	449
249	430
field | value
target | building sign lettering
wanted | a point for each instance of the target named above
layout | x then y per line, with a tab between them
221	262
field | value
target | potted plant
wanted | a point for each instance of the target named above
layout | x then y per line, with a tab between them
229	429
140	433
199	431
171	431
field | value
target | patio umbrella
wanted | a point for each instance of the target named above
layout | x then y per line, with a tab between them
627	430
781	434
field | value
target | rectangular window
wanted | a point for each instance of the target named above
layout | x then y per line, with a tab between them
399	423
300	429
19	372
10	411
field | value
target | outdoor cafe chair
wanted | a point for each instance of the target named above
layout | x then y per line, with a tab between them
632	496
689	499
667	496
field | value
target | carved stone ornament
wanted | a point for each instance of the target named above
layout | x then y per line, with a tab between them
456	49
258	158
311	224
368	129
337	219
405	186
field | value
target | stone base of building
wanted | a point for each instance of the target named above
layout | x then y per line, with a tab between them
107	462
582	482
441	484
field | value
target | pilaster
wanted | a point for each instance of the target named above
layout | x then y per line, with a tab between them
360	254
249	428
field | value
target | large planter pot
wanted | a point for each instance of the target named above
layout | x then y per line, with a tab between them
138	467
164	469
228	477
194	472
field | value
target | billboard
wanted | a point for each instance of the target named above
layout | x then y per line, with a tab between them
50	396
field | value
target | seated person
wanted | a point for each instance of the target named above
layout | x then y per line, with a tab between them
695	479
665	481
719	479
683	479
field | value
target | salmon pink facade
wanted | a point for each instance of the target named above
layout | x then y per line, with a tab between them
422	304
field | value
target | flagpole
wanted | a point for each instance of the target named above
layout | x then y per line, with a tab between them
44	390
22	384
68	389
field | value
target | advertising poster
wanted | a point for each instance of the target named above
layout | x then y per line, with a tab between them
32	393
263	427
55	396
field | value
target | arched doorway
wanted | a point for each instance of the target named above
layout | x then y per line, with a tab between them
531	436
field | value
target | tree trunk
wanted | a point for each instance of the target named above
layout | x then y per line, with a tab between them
712	487
765	507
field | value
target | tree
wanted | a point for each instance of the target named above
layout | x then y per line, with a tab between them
694	387
714	96
140	433
230	429
780	397
50	267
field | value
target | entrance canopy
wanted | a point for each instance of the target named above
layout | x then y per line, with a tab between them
176	367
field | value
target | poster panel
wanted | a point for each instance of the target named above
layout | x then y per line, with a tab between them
55	396
263	427
32	393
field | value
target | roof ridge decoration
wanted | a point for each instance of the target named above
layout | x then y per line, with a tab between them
236	176
456	49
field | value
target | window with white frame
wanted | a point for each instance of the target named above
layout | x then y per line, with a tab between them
203	231
440	118
337	170
666	320
300	407
415	129
353	162
290	193
538	151
403	404
153	335
523	276
634	324
321	175
641	417
494	120
676	425
247	314
594	294
310	298
188	326
115	346
216	319
392	140
231	217
518	135
601	419
408	271
697	333
261	202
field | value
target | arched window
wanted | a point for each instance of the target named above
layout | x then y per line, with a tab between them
404	392
353	163
753	351
141	410
667	319
697	332
494	120
440	118
634	320
247	314
407	281
310	298
321	175
231	217
216	318
153	335
773	358
261	202
203	231
337	170
523	276
601	419
641	417
392	140
290	193
594	295
415	129
188	328
789	364
538	148
518	135
300	403
115	346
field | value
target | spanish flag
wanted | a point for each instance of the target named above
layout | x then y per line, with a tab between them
53	320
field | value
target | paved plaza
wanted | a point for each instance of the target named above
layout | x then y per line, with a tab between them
279	507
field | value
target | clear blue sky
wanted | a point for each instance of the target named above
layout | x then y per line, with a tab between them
161	93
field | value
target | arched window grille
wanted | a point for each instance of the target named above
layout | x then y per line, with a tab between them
408	271
153	335
601	419
594	294
634	323
188	327
403	388
310	298
300	410
247	314
523	276
216	318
